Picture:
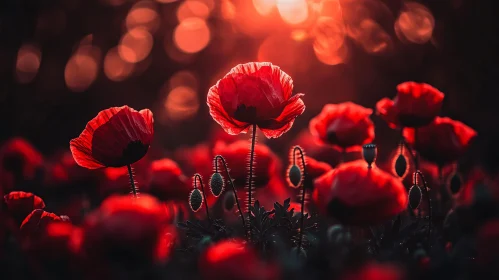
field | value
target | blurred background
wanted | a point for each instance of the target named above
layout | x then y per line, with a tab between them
62	61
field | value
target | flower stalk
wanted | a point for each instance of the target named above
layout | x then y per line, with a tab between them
303	186
133	184
250	177
198	177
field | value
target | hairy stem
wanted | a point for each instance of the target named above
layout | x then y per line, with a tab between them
231	182
132	180
250	179
297	148
430	208
198	177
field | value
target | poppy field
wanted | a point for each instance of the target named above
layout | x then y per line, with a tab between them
270	167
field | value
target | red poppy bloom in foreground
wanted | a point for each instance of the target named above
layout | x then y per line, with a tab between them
266	166
116	137
167	181
415	105
358	195
234	260
255	93
376	271
443	141
20	204
345	125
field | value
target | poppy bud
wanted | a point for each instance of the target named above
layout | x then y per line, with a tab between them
369	152
415	196
217	184
229	201
195	199
294	175
401	165
455	183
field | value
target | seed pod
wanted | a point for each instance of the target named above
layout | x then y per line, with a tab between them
369	152
195	199
294	175
455	183
401	165
217	184
415	196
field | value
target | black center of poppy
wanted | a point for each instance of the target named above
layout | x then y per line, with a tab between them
332	137
245	114
134	151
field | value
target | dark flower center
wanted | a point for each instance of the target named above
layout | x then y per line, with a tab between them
332	137
245	114
134	151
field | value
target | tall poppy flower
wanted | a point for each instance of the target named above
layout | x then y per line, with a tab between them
345	125
167	182
415	105
358	195
20	164
234	260
21	204
443	141
116	137
255	93
315	149
37	221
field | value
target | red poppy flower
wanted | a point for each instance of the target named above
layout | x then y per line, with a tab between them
234	260
20	204
116	137
376	271
316	168
267	164
196	159
316	150
443	141
415	105
37	221
358	195
255	93
345	125
123	226
167	181
20	163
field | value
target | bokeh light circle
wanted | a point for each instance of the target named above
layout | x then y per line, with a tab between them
81	69
135	45
415	24
293	11
115	68
181	103
27	63
192	35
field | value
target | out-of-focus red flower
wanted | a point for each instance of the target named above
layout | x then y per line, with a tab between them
234	260
255	93
117	180
37	221
196	159
376	271
358	195
59	241
488	242
415	105
267	164
316	168
477	176
167	181
346	126
21	204
315	149
443	141
126	230
19	162
116	137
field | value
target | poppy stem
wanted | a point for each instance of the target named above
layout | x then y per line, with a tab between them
132	180
430	208
231	182
198	177
297	148
250	179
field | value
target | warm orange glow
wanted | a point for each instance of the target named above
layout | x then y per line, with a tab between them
371	36
264	7
299	35
181	103
183	79
281	50
329	44
135	45
415	24
115	68
166	1
192	35
330	8
193	8
114	3
293	11
228	10
329	57
28	62
143	14
81	69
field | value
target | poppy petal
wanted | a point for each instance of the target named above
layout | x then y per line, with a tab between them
284	122
218	113
386	110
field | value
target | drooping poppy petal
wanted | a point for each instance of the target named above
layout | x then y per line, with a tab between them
234	260
345	125
116	137
356	194
36	221
443	141
20	163
167	182
21	204
255	93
